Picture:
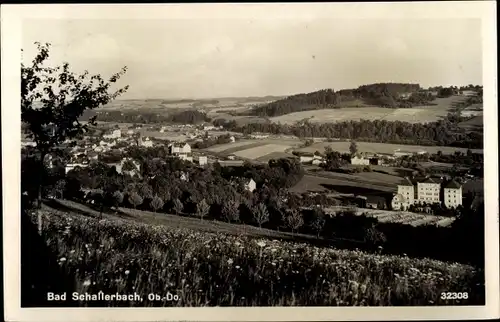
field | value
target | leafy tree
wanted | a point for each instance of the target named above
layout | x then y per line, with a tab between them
318	222
294	220
156	203
230	211
53	99
260	214
118	198
135	199
374	236
202	208
353	148
60	187
178	206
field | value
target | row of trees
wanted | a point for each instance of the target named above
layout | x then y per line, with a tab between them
380	94
443	132
149	117
208	142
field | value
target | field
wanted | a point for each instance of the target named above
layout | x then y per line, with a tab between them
419	114
189	268
348	185
343	147
260	150
402	217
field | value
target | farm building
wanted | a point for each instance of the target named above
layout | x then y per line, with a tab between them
452	194
359	160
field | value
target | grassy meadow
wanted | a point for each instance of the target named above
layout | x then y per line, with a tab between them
190	268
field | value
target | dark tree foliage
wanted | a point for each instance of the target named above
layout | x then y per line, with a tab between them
150	117
223	139
381	94
54	98
443	132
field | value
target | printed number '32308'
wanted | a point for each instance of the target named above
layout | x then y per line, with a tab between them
454	295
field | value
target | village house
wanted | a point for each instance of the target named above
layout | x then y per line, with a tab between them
146	142
115	134
72	166
202	160
359	160
250	185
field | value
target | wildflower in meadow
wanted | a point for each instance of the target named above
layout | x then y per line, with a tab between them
261	243
62	259
86	283
230	261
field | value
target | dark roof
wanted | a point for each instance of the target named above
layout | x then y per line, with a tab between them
429	180
375	199
453	185
406	182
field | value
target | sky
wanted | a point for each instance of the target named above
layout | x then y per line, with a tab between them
209	58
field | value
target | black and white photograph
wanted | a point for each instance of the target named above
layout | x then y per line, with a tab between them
320	155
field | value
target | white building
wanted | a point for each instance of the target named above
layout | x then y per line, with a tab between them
113	135
359	160
317	161
202	160
28	143
72	166
176	148
452	194
428	191
405	195
184	176
250	185
146	142
306	158
130	132
400	153
185	157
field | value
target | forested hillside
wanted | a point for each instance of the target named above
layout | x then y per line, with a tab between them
148	117
390	95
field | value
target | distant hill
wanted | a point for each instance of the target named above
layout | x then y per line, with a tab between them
390	95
